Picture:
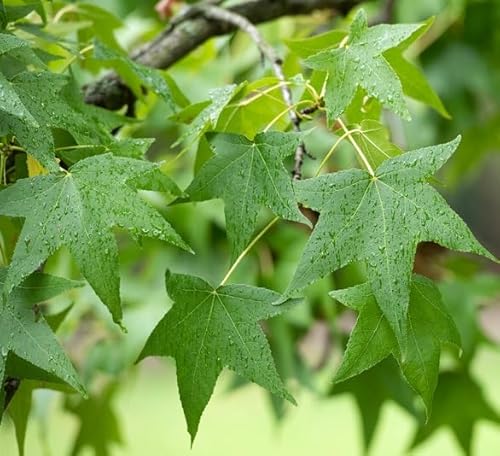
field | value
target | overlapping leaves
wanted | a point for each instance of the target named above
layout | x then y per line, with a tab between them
79	209
28	347
34	103
380	220
372	340
248	175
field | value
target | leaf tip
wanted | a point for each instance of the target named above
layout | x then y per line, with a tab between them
281	300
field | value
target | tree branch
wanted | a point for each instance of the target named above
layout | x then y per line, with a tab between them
178	41
268	53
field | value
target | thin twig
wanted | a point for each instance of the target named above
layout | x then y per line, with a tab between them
270	54
172	44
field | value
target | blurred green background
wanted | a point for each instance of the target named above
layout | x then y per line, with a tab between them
137	409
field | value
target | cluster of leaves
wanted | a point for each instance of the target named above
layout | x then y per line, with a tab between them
73	184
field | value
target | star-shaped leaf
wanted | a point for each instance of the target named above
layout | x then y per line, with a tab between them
28	347
372	389
372	339
79	209
457	390
210	328
248	175
360	63
380	220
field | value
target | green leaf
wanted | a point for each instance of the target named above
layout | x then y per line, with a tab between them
248	175
457	390
312	45
14	10
413	81
10	42
99	427
102	24
372	389
79	209
19	410
28	347
254	108
380	220
134	74
463	298
210	328
125	147
207	119
45	103
363	108
12	105
15	51
360	63
55	320
373	138
372	339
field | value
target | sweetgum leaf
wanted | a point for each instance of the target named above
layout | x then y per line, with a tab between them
457	389
125	147
306	47
360	63
14	49
28	347
372	339
210	328
380	220
79	209
248	175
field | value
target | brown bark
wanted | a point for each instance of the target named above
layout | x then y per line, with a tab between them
175	42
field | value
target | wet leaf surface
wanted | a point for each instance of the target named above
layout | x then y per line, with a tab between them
248	175
210	328
79	209
380	220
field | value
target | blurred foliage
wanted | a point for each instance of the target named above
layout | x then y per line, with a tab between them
223	86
